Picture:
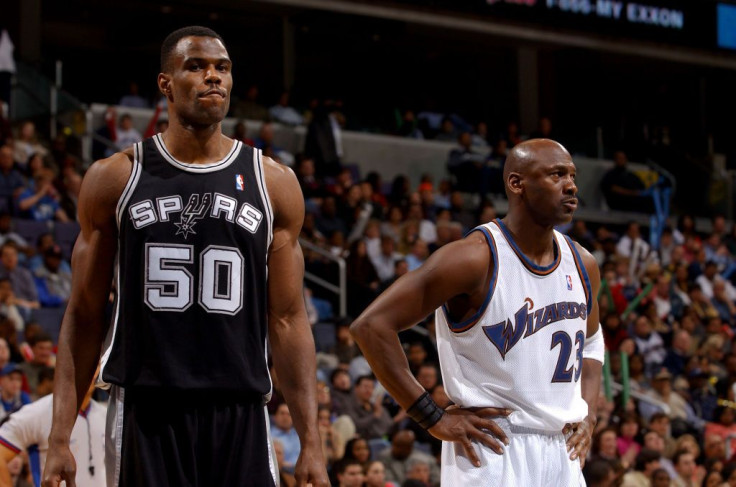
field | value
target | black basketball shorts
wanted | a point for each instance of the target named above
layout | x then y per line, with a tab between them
184	439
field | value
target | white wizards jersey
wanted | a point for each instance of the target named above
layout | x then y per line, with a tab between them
523	349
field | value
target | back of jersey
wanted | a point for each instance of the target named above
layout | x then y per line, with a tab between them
523	349
191	274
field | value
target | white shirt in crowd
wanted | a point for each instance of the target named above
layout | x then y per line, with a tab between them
28	429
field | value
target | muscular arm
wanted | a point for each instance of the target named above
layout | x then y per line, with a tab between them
288	327
459	269
83	327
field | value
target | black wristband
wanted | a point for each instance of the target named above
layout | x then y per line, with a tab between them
425	411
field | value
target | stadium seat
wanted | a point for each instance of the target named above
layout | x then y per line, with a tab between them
324	336
30	230
50	320
65	235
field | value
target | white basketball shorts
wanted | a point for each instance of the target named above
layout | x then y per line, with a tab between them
533	458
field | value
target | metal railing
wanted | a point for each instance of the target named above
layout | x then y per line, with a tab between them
341	288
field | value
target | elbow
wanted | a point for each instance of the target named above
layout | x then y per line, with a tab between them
360	328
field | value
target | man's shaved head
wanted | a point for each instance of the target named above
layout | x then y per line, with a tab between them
526	154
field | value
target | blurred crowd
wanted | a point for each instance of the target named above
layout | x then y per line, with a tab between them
668	313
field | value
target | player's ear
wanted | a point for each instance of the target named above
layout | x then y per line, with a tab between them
164	85
514	182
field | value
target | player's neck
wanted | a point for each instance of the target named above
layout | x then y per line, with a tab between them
196	145
536	241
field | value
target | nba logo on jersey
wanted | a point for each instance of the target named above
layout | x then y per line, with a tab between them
240	184
569	282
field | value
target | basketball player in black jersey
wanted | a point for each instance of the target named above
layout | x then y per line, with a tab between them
199	233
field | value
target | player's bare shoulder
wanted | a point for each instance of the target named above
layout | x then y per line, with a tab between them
284	192
468	261
105	182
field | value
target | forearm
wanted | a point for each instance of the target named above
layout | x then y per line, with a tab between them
78	353
295	365
591	385
392	368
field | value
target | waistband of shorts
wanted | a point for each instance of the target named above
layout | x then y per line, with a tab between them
506	425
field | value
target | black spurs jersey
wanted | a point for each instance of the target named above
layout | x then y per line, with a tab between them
191	274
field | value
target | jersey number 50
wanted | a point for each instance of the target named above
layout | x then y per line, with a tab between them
169	285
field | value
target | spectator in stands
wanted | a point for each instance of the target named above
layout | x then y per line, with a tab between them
679	353
282	429
647	462
324	141
649	344
328	220
11	181
385	262
685	466
156	126
544	130
133	99
468	166
40	201
402	452
599	473
265	140
240	132
45	382
681	413
8	308
42	347
408	126
375	475
312	188
358	449
624	190
27	144
363	281
20	278
283	113
417	471
12	398
126	134
350	474
61	157
628	430
371	418
249	108
53	283
44	242
341	390
286	479
4	353
707	281
654	441
447	131
72	182
418	255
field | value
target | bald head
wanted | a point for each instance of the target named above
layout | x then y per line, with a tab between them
524	155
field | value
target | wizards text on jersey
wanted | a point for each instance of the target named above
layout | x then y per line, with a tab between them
505	335
198	206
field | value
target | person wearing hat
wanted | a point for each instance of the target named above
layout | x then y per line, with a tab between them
681	414
54	285
12	398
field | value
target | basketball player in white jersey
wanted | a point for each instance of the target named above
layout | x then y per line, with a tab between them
517	333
